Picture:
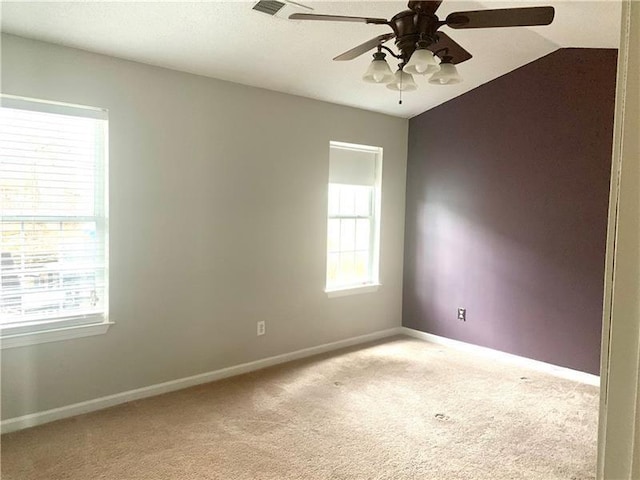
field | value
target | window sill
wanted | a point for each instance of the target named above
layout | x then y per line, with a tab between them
342	292
53	335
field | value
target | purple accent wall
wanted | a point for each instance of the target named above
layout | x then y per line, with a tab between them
507	194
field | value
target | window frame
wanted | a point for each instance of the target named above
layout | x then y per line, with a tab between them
63	327
373	283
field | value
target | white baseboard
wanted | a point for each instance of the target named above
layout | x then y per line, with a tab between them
536	365
39	418
31	420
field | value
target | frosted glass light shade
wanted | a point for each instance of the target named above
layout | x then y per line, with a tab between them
402	82
422	62
447	75
378	71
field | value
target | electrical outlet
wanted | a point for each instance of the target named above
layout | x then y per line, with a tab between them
462	314
262	329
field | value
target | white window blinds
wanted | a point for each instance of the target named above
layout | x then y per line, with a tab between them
353	216
53	213
352	166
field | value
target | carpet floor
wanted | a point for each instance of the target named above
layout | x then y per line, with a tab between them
396	409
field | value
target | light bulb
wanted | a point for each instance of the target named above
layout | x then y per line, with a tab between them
378	71
447	75
422	62
402	82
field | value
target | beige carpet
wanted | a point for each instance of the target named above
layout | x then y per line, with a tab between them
398	409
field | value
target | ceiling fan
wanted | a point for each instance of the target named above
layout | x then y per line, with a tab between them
419	41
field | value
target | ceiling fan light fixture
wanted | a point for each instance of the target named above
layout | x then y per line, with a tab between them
422	62
378	71
402	82
447	75
419	42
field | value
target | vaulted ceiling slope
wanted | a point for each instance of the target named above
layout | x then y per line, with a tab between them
230	41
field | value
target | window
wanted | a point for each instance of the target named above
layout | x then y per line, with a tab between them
53	232
353	216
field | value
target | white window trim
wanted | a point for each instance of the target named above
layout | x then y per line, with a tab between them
57	333
376	217
49	106
353	290
33	333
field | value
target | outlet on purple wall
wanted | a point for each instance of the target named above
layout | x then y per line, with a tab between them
507	202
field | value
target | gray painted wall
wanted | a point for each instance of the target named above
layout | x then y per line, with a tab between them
507	194
217	220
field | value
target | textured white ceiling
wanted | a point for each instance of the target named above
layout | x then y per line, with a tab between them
230	41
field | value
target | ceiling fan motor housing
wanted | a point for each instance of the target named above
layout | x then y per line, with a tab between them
418	27
411	27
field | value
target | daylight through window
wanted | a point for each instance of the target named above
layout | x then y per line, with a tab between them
353	216
53	209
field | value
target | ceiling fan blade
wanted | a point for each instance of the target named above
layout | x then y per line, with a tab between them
446	46
505	17
337	18
365	47
426	7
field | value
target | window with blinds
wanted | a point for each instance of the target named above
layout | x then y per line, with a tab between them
53	197
353	216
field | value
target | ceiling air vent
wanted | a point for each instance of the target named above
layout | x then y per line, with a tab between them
270	7
281	9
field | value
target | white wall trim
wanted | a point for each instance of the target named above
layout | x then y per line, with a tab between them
39	418
31	420
528	363
343	292
54	335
